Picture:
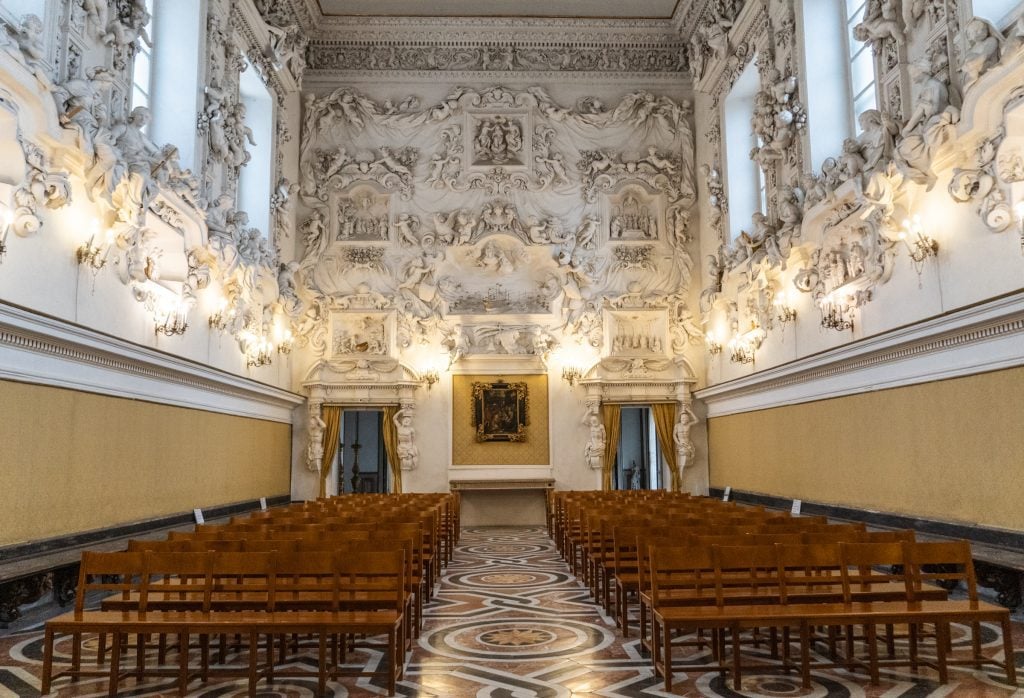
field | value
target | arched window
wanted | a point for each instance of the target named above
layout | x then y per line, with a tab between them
255	181
744	176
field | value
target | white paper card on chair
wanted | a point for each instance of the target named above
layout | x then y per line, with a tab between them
199	516
795	510
725	496
263	503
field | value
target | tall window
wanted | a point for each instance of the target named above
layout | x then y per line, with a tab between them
142	71
861	60
17	9
255	181
175	94
744	176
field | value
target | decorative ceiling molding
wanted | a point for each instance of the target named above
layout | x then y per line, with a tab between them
480	56
978	339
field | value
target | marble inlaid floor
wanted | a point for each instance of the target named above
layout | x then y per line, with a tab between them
509	621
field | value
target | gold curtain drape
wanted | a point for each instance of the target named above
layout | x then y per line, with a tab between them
390	433
332	432
611	415
664	423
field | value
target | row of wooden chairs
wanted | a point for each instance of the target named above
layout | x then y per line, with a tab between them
202	594
732	589
318	569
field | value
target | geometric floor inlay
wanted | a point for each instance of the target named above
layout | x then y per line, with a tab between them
509	621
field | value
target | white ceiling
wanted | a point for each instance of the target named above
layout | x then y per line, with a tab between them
589	9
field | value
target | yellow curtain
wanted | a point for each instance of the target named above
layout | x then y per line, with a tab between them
612	417
332	431
391	447
664	423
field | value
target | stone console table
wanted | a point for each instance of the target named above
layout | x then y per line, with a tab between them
506	501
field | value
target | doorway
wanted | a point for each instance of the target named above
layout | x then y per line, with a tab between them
363	466
638	461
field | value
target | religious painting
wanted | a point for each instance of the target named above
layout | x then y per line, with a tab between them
500	411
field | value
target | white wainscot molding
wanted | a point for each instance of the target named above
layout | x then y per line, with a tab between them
985	337
47	351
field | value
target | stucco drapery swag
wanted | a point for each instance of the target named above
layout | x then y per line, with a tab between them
664	422
391	447
332	432
611	415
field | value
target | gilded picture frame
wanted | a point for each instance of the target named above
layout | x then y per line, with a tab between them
500	411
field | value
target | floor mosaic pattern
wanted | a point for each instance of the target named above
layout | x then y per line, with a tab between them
509	621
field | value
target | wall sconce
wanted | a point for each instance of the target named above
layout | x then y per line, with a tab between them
93	253
6	220
284	343
222	317
919	245
784	312
714	347
259	354
743	347
572	375
836	314
171	320
430	378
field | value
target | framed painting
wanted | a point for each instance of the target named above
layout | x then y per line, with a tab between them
500	411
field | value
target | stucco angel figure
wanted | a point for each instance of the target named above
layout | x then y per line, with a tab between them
593	453
983	44
881	21
876	139
408	454
315	450
238	134
681	435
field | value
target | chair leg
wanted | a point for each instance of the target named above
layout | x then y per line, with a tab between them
254	647
736	679
76	656
322	666
976	643
47	662
393	652
101	651
805	656
115	665
1008	660
941	636
183	639
869	636
667	641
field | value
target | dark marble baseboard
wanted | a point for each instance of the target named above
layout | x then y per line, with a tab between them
1001	538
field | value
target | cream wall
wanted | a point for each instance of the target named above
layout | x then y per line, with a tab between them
75	461
946	450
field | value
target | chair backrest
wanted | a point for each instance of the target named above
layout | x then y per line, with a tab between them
946	563
372	575
175	578
744	569
690	567
808	568
866	566
109	573
304	579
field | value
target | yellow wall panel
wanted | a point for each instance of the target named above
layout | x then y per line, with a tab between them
466	450
73	461
949	450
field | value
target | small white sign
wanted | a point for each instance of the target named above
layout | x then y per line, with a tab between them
263	503
725	496
199	516
795	510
